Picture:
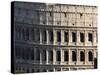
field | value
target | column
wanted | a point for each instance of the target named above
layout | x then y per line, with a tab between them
40	57
70	56
62	37
54	56
54	37
61	69
21	33
54	69
78	56
94	38
78	37
35	34
40	36
47	70
30	35
47	35
70	37
53	17
62	56
46	56
95	53
86	38
47	18
34	55
86	57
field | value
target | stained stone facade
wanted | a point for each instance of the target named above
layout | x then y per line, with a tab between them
54	37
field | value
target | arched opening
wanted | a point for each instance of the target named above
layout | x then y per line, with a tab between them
58	56
82	56
90	56
44	35
66	56
74	56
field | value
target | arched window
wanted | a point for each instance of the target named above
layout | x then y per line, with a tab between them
82	56
37	34
90	37
33	70
37	54
66	36
44	35
32	54
50	55
58	56
58	36
51	36
28	71
74	37
82	37
27	34
43	55
74	56
90	56
66	56
23	33
32	34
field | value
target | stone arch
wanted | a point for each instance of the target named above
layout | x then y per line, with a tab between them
74	56
90	56
82	56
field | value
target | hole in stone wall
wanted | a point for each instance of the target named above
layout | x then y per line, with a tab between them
81	14
89	24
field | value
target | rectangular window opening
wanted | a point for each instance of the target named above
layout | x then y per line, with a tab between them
58	37
51	36
65	55
66	36
73	37
90	37
82	37
58	56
